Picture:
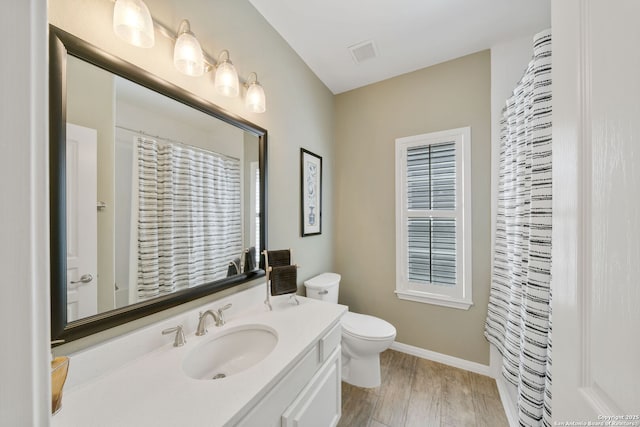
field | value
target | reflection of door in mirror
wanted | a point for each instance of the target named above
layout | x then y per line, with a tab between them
90	92
82	227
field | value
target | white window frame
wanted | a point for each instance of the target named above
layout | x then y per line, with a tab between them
460	295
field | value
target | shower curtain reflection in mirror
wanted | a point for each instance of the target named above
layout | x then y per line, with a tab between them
179	219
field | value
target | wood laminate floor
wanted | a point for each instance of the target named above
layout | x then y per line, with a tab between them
420	393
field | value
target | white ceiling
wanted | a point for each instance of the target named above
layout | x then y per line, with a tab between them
408	34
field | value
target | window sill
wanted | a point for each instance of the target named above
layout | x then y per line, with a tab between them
427	298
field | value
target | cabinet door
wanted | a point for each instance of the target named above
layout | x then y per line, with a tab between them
268	410
319	404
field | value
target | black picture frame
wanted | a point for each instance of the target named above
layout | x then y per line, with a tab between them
310	193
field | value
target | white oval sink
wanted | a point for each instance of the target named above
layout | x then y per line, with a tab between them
231	352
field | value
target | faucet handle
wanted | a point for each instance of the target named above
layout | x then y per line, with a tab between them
180	339
220	320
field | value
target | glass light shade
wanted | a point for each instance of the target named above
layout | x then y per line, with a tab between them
132	22
187	55
255	100
226	82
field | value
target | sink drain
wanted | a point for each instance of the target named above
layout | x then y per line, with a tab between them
218	376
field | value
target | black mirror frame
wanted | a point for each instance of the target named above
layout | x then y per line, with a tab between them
62	43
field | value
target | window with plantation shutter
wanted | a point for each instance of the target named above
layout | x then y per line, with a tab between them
433	218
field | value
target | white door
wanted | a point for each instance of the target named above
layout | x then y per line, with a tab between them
82	223
596	211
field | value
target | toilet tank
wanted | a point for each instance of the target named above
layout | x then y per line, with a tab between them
323	287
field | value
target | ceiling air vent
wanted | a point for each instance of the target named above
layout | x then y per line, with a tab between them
362	51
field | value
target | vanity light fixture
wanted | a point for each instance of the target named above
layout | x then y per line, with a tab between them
255	100
226	80
132	22
187	53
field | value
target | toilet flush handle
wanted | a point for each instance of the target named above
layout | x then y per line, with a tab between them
323	292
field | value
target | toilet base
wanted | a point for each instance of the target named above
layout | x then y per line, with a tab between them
361	372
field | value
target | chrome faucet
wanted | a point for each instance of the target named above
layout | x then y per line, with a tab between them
218	317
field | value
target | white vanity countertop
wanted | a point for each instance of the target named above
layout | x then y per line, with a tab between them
152	390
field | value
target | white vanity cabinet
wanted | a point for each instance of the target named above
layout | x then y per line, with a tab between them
132	381
309	395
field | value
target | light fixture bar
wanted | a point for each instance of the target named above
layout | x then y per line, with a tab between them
210	63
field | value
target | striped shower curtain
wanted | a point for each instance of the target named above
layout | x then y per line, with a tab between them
519	316
189	217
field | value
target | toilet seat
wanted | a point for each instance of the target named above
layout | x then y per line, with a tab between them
367	327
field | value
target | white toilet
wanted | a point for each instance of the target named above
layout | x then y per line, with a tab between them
363	337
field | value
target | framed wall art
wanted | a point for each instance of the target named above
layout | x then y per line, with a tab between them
310	193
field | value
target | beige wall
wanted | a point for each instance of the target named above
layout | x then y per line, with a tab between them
368	120
299	107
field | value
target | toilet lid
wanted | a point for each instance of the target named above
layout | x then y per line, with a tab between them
367	327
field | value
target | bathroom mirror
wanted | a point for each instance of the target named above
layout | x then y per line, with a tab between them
157	195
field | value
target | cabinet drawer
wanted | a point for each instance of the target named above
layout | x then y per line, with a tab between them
330	341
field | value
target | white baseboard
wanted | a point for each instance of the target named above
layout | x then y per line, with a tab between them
456	362
508	392
510	407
